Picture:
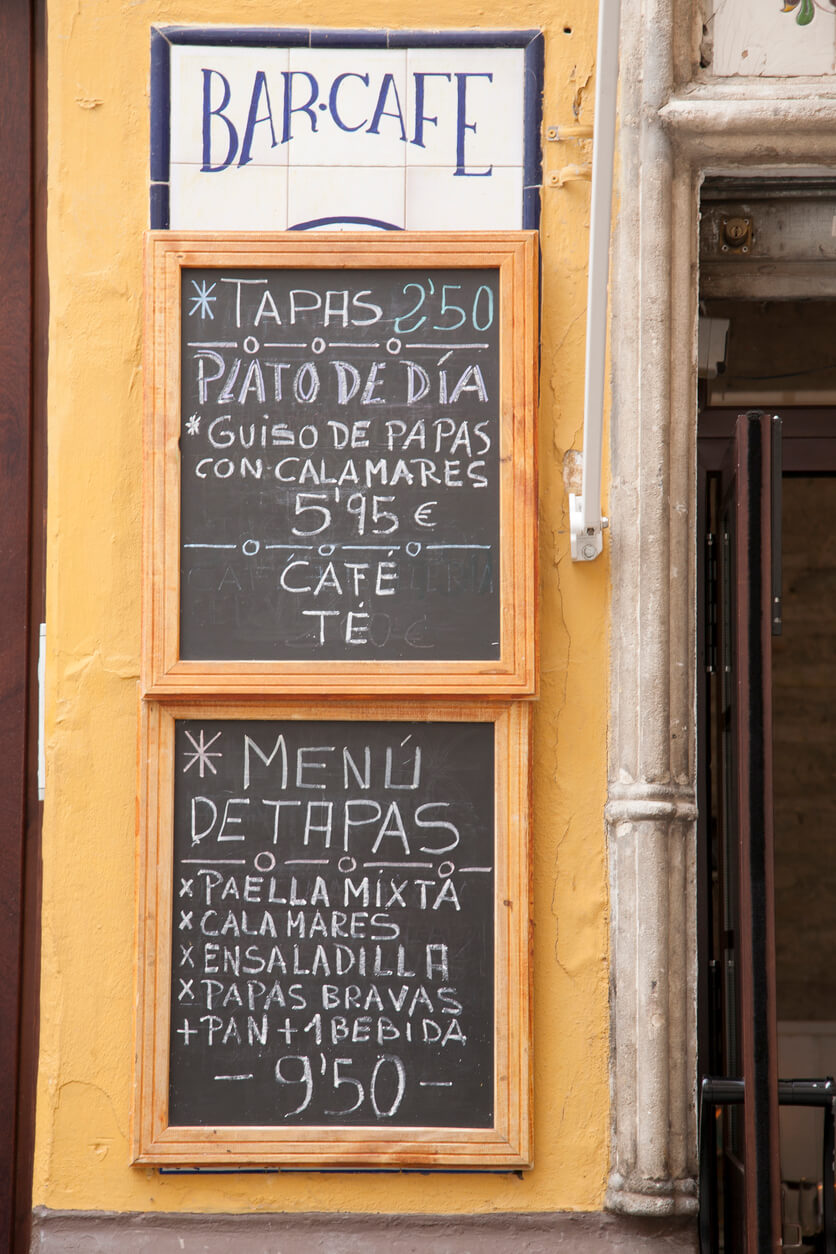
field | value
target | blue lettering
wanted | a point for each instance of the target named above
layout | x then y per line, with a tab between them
259	86
463	125
217	112
380	111
332	100
290	108
420	116
216	102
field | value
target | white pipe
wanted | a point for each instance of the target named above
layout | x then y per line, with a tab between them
585	512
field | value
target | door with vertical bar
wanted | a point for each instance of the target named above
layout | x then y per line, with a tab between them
741	565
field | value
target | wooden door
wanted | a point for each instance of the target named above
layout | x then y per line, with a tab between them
22	311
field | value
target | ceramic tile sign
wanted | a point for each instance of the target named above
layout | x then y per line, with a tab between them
751	38
258	129
344	431
337	960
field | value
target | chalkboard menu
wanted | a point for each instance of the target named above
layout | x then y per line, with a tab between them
334	934
333	923
339	485
339	545
340	488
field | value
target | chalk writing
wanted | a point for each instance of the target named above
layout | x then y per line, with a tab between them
339	969
340	452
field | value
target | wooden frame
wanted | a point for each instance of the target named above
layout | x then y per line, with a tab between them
513	671
22	473
507	1143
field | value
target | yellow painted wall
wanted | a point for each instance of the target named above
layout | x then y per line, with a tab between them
98	54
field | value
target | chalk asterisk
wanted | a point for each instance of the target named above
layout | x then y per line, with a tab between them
201	298
202	755
193	424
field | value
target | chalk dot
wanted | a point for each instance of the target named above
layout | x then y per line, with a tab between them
325	550
318	345
393	346
265	861
446	869
251	344
347	865
250	547
413	548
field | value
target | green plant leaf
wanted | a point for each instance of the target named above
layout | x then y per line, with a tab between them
806	13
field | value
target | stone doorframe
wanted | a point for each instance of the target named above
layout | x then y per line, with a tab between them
677	124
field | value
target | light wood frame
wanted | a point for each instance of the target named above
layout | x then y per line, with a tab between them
514	673
505	1145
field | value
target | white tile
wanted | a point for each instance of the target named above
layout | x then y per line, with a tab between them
753	38
249	198
352	102
437	200
493	105
334	173
239	67
315	193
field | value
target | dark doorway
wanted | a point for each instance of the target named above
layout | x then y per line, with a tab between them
790	951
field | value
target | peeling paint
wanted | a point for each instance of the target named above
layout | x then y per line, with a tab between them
572	471
580	93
